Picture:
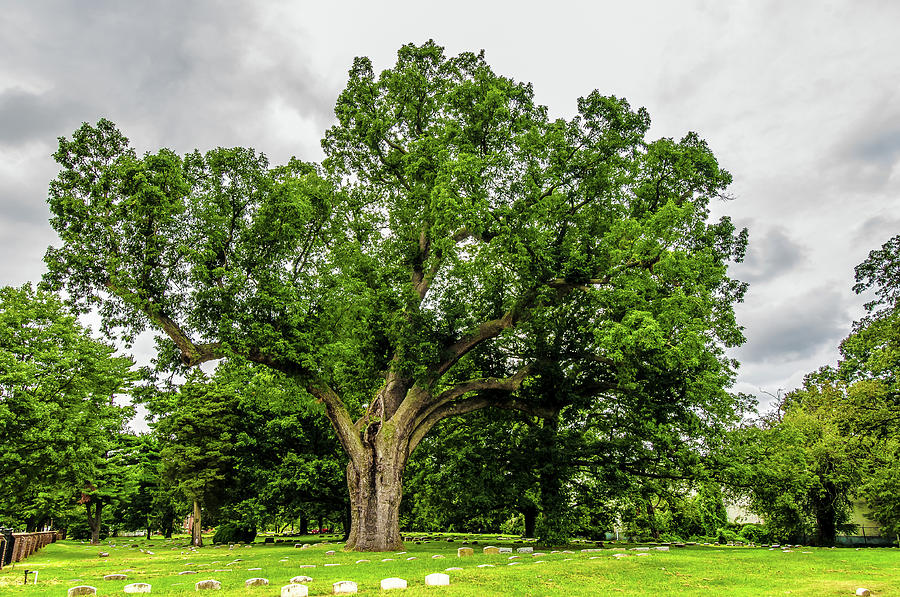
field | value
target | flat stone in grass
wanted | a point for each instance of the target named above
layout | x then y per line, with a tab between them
103	554
437	557
388	560
662	548
294	591
490	550
137	587
862	592
82	590
525	550
485	566
452	569
437	580
329	552
463	552
252	569
300	579
504	549
392	583
326	565
307	566
344	586
640	549
363	561
115	577
256	582
411	558
183	572
204	585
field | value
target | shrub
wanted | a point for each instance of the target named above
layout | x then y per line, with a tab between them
235	532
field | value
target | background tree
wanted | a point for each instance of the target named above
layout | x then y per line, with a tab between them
59	425
198	445
459	219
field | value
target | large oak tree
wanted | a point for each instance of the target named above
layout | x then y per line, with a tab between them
414	275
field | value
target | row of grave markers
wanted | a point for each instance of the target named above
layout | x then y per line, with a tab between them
15	547
291	590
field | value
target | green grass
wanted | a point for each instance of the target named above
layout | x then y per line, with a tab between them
697	570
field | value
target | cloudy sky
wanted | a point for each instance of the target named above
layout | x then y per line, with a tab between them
800	100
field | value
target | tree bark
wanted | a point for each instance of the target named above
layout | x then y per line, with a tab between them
375	481
196	526
94	519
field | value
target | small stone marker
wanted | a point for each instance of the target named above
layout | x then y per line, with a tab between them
82	590
183	572
362	561
103	554
294	591
137	587
344	586
307	566
862	592
437	557
388	560
437	580
256	582
525	550
329	552
504	549
662	548
326	565
301	578
210	584
490	550
298	545
392	583
464	552
115	577
485	566
451	569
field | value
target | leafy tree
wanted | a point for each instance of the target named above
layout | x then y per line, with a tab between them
59	425
411	278
198	444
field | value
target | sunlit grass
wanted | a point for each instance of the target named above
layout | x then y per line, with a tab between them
680	571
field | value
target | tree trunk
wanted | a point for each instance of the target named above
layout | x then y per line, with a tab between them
94	518
375	481
530	514
304	525
651	520
826	515
196	526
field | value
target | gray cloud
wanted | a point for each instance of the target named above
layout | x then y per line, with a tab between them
874	231
173	72
867	153
28	116
770	255
796	328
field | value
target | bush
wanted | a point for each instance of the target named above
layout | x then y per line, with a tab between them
79	529
235	532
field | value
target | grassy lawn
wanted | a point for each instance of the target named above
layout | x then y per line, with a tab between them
695	570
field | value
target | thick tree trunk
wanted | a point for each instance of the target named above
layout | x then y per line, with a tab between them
94	519
375	482
826	516
196	526
304	525
530	514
